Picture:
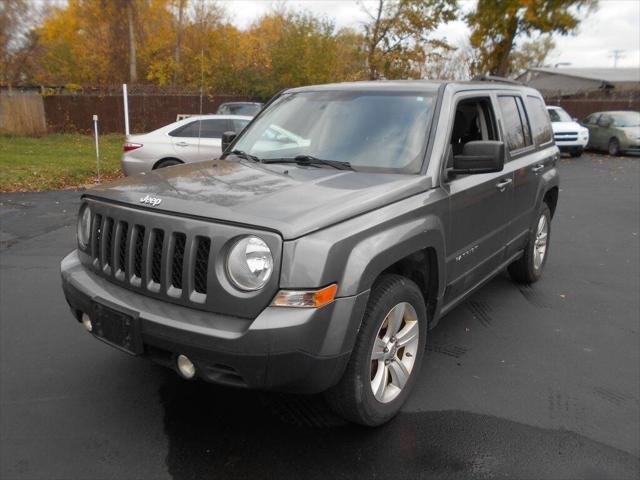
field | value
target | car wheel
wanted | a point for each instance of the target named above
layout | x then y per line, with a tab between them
614	147
387	356
528	268
576	152
169	162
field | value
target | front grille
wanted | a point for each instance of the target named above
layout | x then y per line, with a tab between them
151	258
566	136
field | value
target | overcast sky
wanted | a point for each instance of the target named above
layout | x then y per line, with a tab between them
614	26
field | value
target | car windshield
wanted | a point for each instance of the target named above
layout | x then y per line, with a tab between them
373	131
626	119
559	115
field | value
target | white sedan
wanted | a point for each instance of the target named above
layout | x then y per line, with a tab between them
569	135
193	139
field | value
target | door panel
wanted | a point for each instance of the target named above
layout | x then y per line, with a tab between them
478	228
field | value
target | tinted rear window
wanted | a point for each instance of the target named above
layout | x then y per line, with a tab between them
540	123
203	128
513	129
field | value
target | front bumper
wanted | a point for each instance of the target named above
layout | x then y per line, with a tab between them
567	145
285	349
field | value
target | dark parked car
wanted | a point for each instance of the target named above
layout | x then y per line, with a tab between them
339	227
250	109
614	132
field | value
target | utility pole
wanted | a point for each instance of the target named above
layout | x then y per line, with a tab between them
176	54
133	67
616	54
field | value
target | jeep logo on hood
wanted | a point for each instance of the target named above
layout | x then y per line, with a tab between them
149	200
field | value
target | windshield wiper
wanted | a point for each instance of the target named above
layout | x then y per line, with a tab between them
310	160
245	155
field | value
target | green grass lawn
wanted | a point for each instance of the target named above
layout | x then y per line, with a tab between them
56	161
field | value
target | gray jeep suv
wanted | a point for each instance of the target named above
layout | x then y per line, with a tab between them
334	232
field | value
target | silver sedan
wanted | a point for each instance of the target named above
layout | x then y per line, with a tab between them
193	139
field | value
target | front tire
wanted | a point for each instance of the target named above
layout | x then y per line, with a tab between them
387	356
614	147
528	268
576	152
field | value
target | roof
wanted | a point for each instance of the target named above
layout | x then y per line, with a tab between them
408	86
610	75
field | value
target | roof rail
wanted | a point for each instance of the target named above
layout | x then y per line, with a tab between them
493	78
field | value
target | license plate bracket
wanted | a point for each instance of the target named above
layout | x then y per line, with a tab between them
117	328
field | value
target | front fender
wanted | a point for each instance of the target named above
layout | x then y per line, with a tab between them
353	253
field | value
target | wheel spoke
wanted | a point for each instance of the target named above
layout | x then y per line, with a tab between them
378	349
379	382
399	374
394	318
407	334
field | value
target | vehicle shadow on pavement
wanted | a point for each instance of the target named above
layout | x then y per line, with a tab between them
218	432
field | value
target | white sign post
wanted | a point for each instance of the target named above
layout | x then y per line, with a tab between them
125	99
95	130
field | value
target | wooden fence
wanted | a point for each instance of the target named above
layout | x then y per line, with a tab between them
22	115
73	113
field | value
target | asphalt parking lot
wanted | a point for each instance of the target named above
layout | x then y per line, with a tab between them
519	382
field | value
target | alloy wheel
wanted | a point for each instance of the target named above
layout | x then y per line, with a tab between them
394	352
540	244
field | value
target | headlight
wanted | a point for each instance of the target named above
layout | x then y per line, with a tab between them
250	263
84	226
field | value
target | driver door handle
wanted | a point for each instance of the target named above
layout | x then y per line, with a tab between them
182	144
537	168
502	184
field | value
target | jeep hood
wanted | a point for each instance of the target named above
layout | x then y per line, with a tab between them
290	199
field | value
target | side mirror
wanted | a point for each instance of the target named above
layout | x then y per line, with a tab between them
227	139
604	123
482	156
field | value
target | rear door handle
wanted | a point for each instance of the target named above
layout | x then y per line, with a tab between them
182	144
537	168
502	184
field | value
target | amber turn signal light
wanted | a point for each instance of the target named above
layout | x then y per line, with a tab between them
306	298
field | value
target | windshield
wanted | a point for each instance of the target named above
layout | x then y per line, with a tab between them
559	115
626	119
375	131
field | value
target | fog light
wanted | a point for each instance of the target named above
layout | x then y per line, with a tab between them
186	367
86	321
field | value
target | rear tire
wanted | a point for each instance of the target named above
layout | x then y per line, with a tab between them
528	268
395	314
614	147
169	162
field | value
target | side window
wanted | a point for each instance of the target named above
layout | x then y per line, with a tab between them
474	120
525	122
513	125
189	130
215	128
540	124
